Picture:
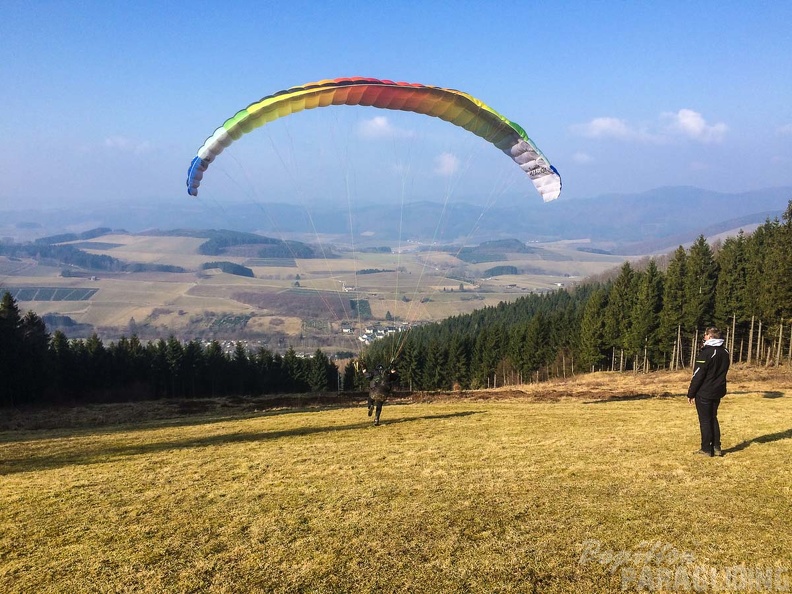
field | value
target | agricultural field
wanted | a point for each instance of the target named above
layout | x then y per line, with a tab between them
50	294
286	297
581	485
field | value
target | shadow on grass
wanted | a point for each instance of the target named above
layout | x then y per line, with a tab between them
100	455
769	438
773	394
176	413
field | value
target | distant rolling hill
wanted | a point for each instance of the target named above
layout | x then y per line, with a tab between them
621	223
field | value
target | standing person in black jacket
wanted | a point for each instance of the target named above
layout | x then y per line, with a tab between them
707	388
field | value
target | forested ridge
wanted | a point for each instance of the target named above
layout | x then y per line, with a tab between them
650	315
647	317
36	368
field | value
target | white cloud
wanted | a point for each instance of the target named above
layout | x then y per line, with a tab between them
381	127
127	145
446	164
785	130
685	123
582	158
609	127
605	128
692	124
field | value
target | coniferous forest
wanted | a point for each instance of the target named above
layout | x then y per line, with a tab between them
650	315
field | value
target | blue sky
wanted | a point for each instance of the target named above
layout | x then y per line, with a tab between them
109	101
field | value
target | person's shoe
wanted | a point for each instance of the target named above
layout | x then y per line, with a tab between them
703	453
718	453
371	410
376	422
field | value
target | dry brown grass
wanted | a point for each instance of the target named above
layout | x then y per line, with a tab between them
503	492
628	386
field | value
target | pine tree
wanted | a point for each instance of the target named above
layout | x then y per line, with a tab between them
24	355
409	365
775	300
534	350
241	366
671	316
193	367
458	364
158	360
756	248
216	365
434	373
295	372
95	365
174	356
35	358
621	298
63	366
730	290
264	364
11	372
349	376
487	352
279	373
645	316
593	350
701	274
138	360
317	373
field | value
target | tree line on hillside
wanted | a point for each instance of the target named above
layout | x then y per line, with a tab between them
219	240
64	237
229	268
75	259
643	319
646	317
37	369
54	250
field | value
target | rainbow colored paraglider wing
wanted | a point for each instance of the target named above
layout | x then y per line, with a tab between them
452	106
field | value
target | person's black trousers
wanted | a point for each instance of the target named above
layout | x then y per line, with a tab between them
708	422
377	406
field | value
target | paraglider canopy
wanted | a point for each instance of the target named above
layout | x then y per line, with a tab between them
449	105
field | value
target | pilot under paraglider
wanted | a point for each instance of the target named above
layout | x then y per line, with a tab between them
381	384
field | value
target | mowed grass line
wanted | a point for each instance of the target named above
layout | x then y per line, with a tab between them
470	496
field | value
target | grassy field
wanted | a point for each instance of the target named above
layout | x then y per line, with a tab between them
584	485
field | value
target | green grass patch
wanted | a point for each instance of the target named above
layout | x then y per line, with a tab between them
96	245
50	293
271	262
473	494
